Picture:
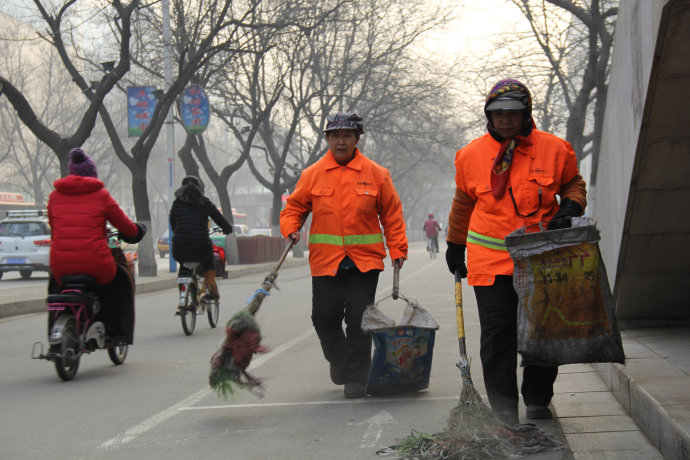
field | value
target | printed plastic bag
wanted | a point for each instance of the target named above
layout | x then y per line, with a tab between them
566	312
403	353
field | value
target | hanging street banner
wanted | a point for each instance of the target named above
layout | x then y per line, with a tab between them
196	110
141	102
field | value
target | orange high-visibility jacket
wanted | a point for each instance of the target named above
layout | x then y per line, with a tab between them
350	204
543	166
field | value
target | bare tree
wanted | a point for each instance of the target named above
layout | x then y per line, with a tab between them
58	20
354	60
216	29
580	80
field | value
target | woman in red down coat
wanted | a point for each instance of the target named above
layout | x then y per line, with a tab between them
78	209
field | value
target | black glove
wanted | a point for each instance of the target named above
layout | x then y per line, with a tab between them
141	231
455	258
229	230
567	210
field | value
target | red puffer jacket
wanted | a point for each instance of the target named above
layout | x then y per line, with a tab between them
78	209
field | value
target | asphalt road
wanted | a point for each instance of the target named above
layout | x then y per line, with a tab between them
158	405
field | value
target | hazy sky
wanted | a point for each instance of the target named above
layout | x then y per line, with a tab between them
480	21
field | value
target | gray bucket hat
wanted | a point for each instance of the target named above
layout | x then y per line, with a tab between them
511	100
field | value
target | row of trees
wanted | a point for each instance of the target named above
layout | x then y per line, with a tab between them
273	71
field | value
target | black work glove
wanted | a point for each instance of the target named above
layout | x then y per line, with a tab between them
455	258
229	230
141	231
567	210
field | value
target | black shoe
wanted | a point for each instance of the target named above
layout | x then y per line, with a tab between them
355	390
538	412
337	375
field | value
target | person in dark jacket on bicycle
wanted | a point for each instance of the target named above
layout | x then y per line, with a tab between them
189	222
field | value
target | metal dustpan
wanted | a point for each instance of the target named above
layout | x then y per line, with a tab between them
403	352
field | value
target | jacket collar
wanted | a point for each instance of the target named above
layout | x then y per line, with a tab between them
77	185
355	163
523	142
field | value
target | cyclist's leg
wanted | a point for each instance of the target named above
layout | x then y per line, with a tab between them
210	278
211	286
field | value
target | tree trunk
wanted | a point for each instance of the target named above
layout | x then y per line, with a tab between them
147	258
232	255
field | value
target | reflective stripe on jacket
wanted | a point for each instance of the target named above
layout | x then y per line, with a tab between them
541	167
350	204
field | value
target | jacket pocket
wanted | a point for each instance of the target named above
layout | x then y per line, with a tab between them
365	203
363	191
322	200
485	201
535	194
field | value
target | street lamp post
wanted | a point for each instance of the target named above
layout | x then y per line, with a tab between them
170	130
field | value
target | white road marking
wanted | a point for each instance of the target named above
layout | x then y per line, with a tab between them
318	403
132	433
374	428
187	403
147	425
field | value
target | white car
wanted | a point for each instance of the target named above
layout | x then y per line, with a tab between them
259	231
25	242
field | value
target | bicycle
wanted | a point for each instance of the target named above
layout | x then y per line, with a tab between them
431	246
194	298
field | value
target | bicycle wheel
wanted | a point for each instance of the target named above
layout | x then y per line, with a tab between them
213	311
118	353
68	362
188	312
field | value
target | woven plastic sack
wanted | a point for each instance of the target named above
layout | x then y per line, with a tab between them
566	311
402	353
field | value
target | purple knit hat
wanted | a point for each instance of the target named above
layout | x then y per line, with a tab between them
81	164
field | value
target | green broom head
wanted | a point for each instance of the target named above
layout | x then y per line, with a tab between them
229	363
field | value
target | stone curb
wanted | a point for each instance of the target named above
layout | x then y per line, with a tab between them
649	414
146	285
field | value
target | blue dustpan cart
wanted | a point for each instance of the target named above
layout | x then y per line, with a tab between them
402	353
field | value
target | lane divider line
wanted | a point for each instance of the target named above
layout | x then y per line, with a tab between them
188	403
319	403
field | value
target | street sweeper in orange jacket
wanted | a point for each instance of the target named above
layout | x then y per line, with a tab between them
351	198
507	179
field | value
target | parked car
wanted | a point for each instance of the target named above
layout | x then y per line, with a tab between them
240	229
163	244
259	231
25	242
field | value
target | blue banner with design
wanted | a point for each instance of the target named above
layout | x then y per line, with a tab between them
196	110
141	103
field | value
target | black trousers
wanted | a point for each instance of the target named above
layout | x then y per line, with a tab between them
497	306
335	299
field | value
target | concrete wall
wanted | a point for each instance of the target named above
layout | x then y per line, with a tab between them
644	178
635	39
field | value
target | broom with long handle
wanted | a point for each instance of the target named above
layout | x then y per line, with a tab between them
470	413
242	340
